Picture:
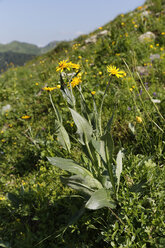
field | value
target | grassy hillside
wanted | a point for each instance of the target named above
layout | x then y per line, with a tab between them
35	206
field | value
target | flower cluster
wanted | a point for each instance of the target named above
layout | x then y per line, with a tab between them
62	65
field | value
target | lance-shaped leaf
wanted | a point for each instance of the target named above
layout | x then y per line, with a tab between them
99	147
69	165
85	184
99	199
62	136
84	129
119	167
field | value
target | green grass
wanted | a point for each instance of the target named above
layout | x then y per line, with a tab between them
39	206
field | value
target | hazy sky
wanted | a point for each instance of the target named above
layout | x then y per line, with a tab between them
42	21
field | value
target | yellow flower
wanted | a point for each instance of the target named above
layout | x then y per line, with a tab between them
76	81
100	73
2	198
157	44
161	49
122	15
138	119
140	7
115	71
79	57
131	89
58	86
63	65
151	46
163	33
49	88
122	24
3	140
74	66
135	26
72	124
93	92
37	83
100	28
25	117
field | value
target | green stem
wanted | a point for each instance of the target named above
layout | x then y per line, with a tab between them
55	109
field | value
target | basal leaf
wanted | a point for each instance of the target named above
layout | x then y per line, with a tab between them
99	199
86	184
84	129
69	165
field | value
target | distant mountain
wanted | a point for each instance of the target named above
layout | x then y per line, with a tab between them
18	53
26	48
48	47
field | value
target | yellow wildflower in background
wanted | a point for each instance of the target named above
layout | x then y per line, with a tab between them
63	65
100	28
93	92
2	198
49	88
138	119
25	117
151	46
113	71
163	33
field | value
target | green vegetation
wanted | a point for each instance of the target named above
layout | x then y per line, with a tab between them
36	208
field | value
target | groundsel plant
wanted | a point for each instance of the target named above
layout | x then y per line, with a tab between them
97	176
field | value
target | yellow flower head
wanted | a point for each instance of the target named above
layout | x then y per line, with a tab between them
25	117
100	28
49	88
113	71
138	119
93	92
76	81
63	65
74	66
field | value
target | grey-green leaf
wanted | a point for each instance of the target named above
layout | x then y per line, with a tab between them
63	137
99	147
99	199
86	184
119	166
84	129
69	165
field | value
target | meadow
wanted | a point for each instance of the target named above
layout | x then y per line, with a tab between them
82	145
